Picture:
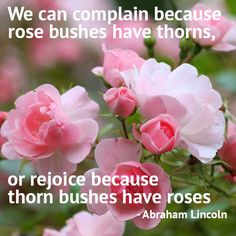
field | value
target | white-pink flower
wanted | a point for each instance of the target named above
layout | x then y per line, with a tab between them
54	131
223	30
121	157
186	96
86	224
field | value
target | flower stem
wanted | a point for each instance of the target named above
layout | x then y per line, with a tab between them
123	124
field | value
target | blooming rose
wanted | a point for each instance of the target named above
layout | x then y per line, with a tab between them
189	98
121	101
222	29
116	61
121	157
11	79
86	224
55	132
228	152
159	135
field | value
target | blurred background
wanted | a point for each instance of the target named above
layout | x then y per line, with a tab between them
25	64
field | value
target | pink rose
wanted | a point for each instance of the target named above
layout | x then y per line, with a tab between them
218	28
86	224
124	161
11	79
228	152
55	132
159	135
187	97
121	101
116	61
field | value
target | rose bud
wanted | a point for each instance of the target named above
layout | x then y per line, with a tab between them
158	135
121	101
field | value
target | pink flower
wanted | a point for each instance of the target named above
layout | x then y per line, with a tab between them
116	61
86	224
121	101
187	97
228	152
219	30
11	79
55	132
159	135
124	161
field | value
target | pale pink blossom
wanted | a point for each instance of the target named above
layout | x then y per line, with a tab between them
159	135
222	30
121	157
116	61
54	131
121	101
228	152
11	79
86	224
186	96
